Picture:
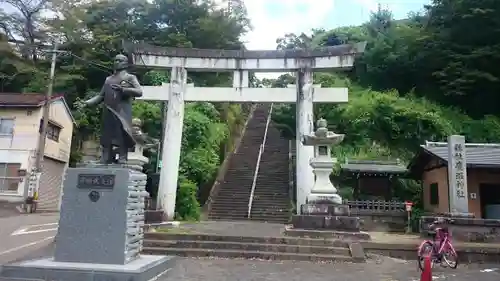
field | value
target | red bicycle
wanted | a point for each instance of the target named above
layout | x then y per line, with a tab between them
439	248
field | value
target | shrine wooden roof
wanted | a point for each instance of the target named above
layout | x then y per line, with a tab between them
477	155
373	167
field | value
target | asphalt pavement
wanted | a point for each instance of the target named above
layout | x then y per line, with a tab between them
376	269
30	236
22	234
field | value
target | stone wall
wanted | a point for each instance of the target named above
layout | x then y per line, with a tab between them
467	229
387	221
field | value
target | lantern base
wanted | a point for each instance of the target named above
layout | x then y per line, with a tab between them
324	198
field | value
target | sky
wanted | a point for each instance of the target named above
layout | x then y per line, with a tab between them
273	18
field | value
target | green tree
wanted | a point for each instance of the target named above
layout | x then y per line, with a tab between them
92	33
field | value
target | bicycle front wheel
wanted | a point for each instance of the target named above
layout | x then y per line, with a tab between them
450	256
426	249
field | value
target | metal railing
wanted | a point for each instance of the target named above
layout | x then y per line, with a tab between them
375	205
257	165
291	175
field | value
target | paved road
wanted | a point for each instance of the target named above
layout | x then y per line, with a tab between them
21	234
378	269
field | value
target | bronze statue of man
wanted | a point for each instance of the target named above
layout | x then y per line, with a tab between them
117	94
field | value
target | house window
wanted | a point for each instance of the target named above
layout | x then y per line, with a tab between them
9	177
53	130
6	126
434	193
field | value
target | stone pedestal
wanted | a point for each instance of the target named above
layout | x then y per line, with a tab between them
100	230
326	221
323	191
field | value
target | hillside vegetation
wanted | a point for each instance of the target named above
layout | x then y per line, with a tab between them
422	78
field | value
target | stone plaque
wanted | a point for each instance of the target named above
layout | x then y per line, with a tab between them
96	181
457	174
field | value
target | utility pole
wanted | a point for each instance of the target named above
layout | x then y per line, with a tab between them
31	187
46	111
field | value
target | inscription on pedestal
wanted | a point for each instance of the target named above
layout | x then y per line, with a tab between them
95	181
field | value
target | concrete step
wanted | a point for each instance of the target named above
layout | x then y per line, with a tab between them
269	215
228	218
245	239
260	247
271	200
228	206
219	212
283	218
284	198
271	203
245	254
229	196
236	203
277	248
227	213
270	209
271	197
225	209
267	192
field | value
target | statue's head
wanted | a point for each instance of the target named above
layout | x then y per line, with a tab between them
120	62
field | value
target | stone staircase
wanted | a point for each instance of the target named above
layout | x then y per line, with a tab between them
270	248
271	199
231	200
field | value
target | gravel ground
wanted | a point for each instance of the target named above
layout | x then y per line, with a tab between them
376	269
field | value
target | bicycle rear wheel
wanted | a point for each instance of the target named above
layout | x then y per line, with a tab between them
426	249
450	256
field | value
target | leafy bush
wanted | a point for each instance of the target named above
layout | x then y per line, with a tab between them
186	205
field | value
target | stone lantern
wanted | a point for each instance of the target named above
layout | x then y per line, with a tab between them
136	158
323	191
324	216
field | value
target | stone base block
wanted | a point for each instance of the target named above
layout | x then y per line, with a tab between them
153	216
325	209
145	268
326	234
325	222
324	198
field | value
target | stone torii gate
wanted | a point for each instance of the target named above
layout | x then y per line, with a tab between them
240	62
